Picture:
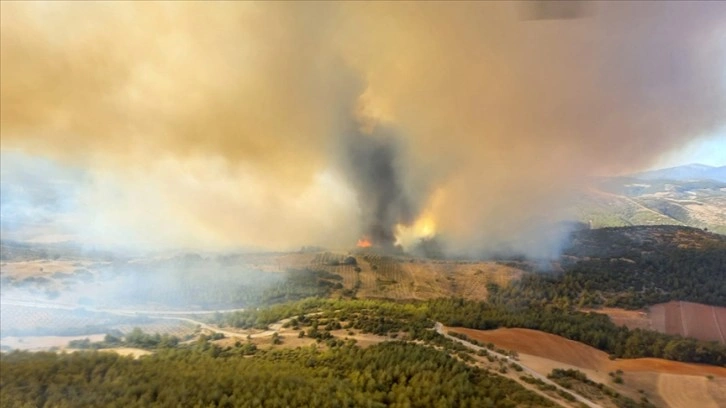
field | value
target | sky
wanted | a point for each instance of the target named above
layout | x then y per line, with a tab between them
277	125
710	150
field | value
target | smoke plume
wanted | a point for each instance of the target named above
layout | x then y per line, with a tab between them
223	124
375	166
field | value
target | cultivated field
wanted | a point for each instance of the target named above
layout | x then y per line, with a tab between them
632	319
688	319
43	343
665	382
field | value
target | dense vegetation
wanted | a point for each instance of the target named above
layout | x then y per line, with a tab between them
590	328
641	280
630	267
635	267
390	374
135	338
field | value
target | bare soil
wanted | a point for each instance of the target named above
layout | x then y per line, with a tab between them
126	351
664	382
45	343
687	319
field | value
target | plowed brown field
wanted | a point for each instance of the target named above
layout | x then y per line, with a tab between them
688	319
666	382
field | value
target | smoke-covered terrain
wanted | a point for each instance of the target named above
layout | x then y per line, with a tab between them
227	125
427	204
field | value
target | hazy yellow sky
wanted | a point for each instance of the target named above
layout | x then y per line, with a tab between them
236	123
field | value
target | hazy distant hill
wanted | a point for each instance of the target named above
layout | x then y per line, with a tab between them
684	173
692	195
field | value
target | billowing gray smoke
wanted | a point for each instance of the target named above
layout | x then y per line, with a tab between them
223	124
374	165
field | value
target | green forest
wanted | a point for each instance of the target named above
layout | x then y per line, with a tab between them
393	374
635	267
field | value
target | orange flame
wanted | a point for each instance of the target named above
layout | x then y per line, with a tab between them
363	243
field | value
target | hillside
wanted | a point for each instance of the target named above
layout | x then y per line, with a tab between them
685	173
627	267
625	241
688	195
630	267
183	280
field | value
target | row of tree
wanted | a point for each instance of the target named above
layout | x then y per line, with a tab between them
135	338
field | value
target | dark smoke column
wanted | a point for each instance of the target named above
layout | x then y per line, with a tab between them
373	165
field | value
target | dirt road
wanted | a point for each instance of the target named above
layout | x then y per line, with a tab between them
441	329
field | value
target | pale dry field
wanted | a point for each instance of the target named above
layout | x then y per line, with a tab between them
40	267
278	262
392	277
665	382
45	343
362	339
127	351
290	339
385	277
680	391
632	319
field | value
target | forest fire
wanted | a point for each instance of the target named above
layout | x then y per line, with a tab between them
423	228
364	243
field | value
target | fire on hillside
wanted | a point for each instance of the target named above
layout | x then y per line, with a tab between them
364	242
